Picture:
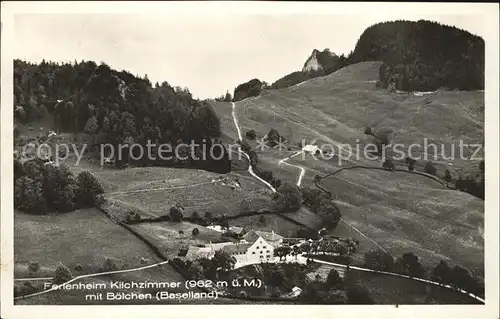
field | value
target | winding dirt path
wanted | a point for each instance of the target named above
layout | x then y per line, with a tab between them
240	137
302	170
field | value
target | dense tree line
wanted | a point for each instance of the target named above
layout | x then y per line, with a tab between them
248	89
406	264
458	277
342	246
203	267
409	264
117	108
37	87
251	134
329	63
224	98
40	187
472	185
245	147
268	176
292	79
322	205
288	197
335	290
423	55
273	138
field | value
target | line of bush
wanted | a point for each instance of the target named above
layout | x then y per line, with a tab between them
409	264
40	187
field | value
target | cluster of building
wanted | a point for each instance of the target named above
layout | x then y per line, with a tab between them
254	247
257	247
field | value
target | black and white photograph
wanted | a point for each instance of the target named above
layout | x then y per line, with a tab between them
208	154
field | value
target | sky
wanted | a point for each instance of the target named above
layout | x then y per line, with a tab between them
207	54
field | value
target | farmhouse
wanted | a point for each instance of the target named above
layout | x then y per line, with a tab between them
208	251
194	252
311	149
271	237
240	231
296	291
255	247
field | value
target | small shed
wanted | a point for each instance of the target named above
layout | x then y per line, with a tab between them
311	149
296	291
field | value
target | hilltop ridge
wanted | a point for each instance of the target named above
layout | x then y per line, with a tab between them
417	56
423	55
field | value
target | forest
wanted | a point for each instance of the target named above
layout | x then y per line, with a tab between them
248	89
115	107
423	56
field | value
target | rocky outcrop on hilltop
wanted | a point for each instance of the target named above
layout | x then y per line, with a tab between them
312	63
320	61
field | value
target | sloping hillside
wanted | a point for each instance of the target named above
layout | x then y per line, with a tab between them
400	211
418	56
337	108
83	237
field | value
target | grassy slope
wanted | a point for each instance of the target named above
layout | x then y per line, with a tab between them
214	197
83	237
401	212
340	105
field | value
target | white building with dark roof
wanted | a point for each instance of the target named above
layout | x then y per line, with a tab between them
311	149
272	238
255	247
199	252
237	230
